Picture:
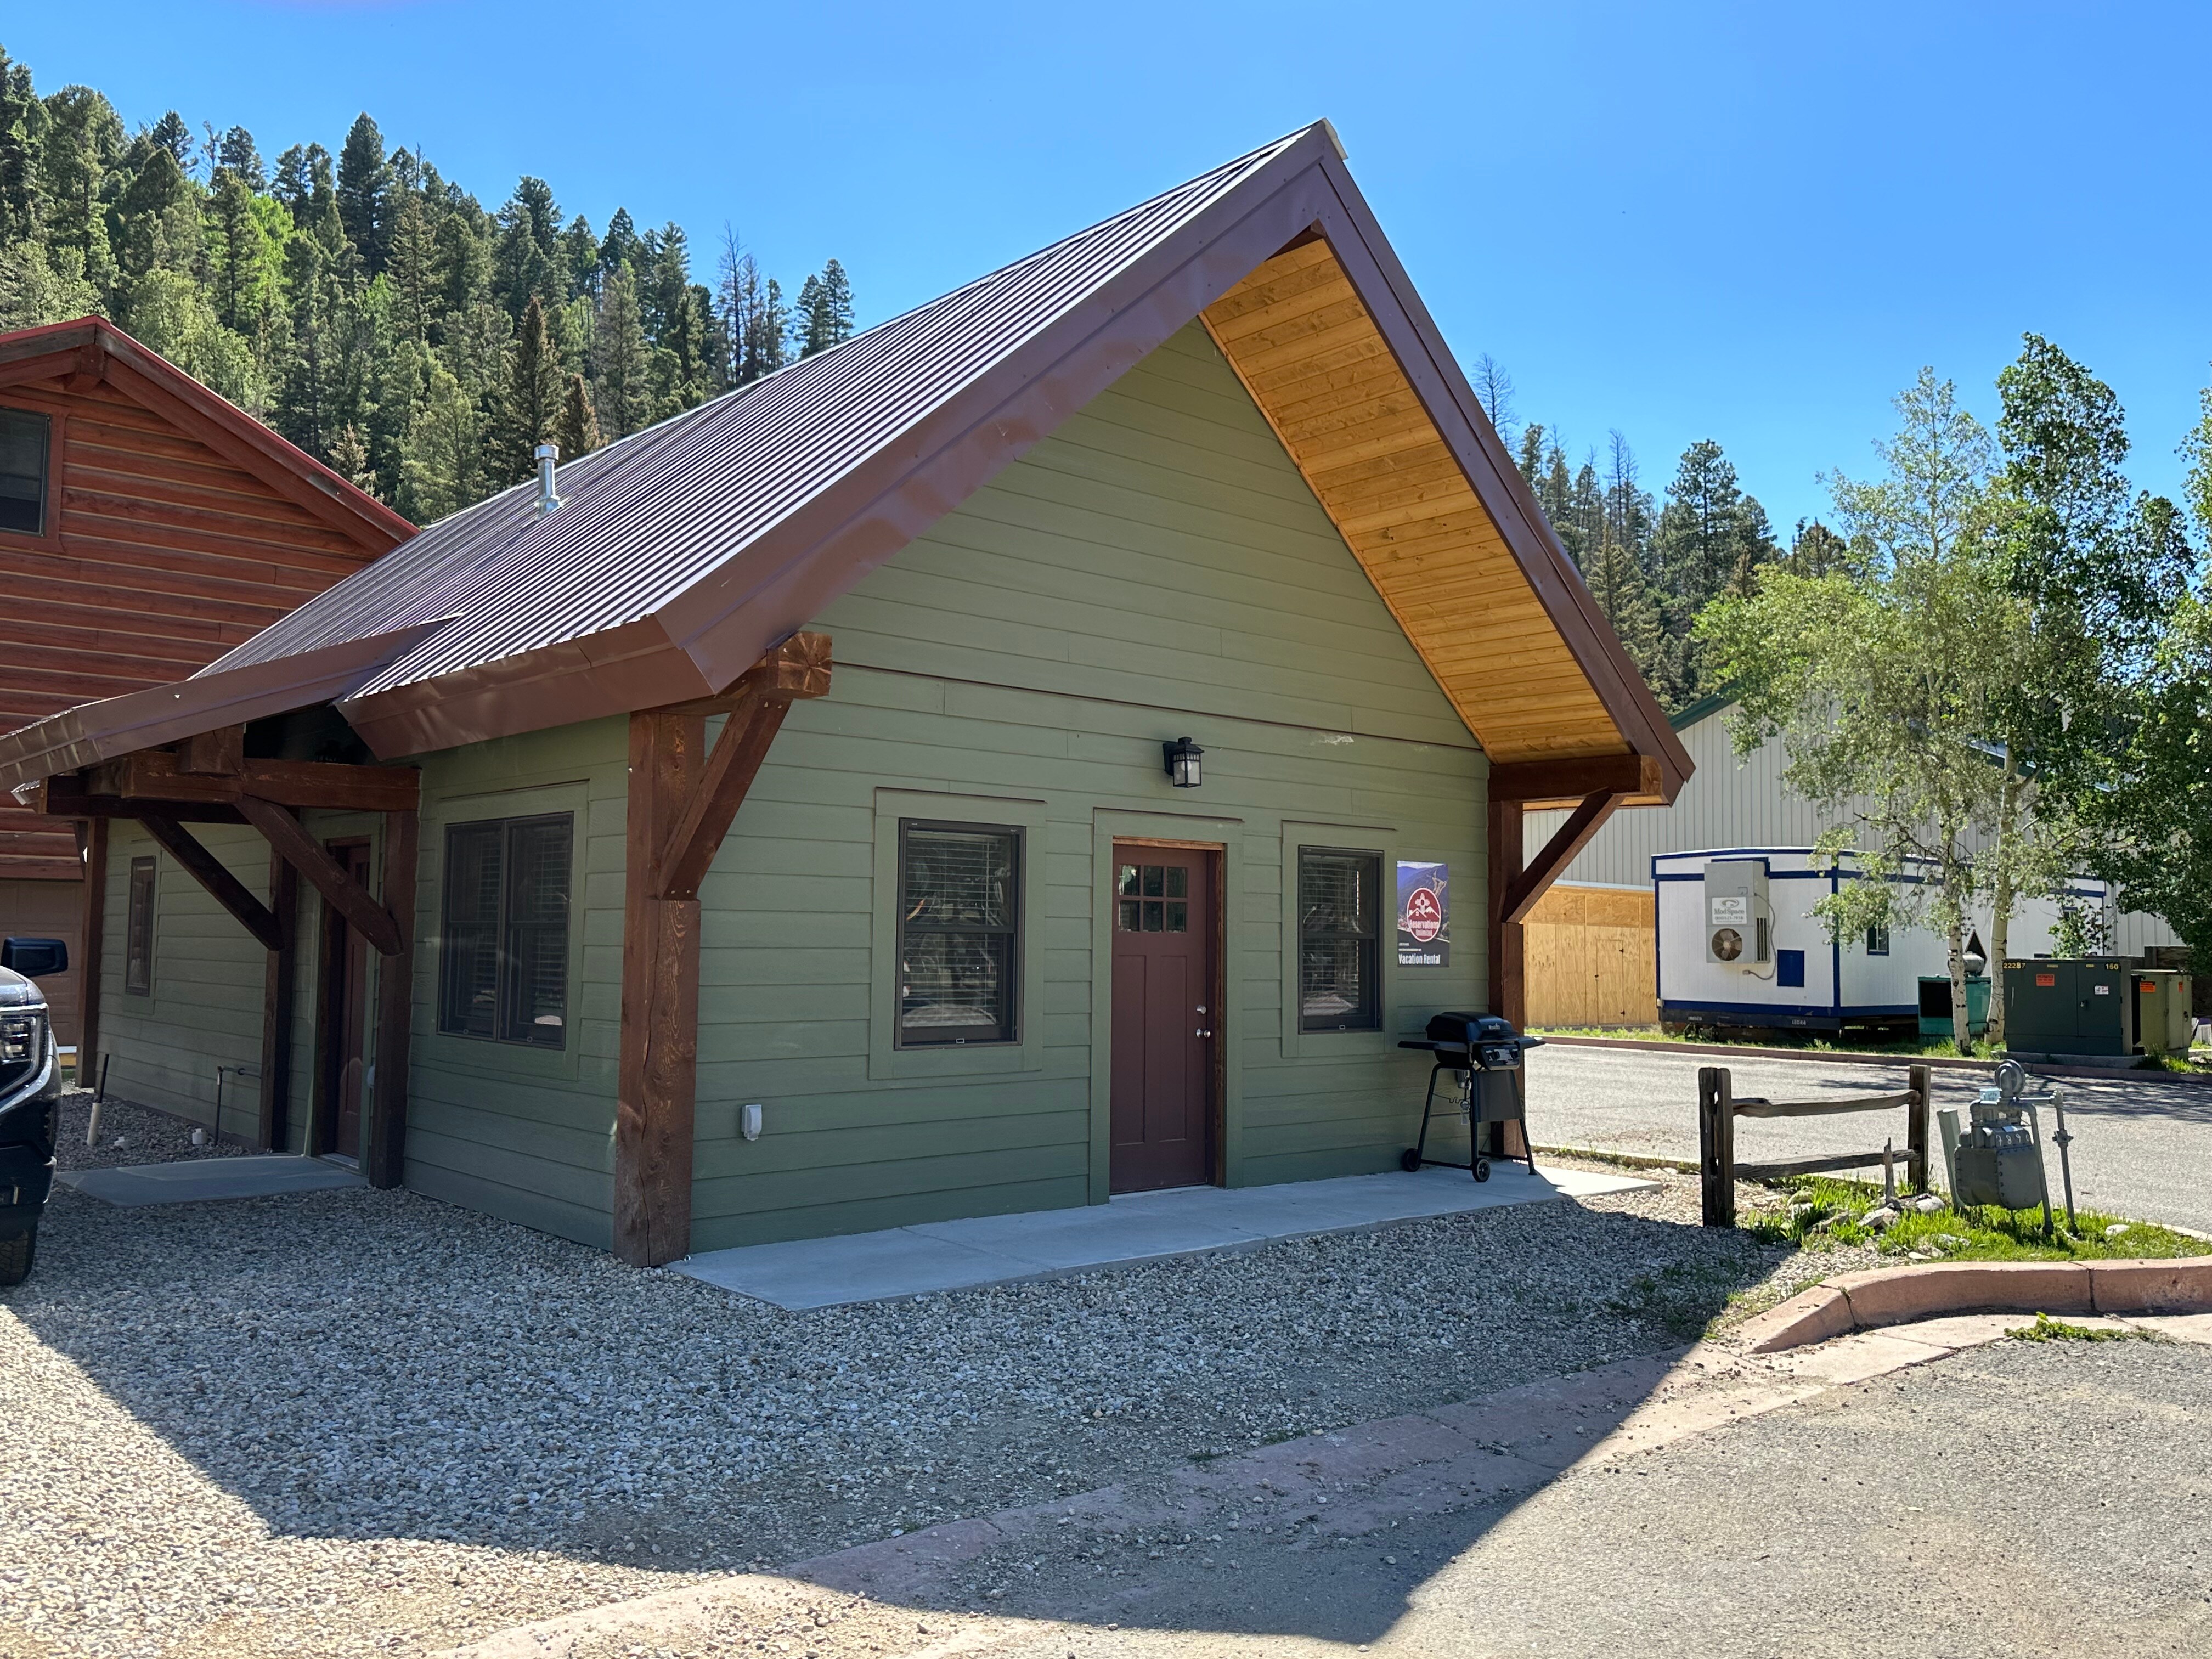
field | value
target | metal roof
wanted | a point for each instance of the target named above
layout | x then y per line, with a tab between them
646	517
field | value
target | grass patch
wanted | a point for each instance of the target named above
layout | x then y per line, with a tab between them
1820	1213
1915	1047
2047	1329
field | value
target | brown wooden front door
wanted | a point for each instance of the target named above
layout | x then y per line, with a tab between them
1165	1015
345	1011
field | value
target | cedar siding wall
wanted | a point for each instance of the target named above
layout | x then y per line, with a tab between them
49	909
1157	568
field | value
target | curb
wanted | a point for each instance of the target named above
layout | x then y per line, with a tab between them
1896	1062
1898	1296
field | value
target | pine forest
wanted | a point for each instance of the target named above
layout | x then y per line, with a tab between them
372	311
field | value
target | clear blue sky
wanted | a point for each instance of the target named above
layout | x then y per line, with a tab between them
1749	222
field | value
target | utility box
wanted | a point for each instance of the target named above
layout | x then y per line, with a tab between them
2164	1022
1935	1006
1738	922
2069	1006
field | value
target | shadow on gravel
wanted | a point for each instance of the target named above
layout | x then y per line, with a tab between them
366	1364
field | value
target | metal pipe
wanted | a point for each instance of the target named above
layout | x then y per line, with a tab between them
2063	1138
548	501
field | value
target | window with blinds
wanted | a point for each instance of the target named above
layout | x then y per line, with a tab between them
1340	940
959	940
25	440
138	931
503	973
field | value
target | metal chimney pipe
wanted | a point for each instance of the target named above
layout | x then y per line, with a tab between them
547	501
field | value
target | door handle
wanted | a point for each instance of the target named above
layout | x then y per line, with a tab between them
1206	1034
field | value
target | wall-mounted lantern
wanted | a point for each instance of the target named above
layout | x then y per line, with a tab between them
1181	758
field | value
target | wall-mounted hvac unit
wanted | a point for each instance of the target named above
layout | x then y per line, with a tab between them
1739	923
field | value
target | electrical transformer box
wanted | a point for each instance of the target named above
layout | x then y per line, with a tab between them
2069	1006
1739	925
2164	1022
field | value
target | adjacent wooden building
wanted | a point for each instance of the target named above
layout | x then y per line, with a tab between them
789	823
146	527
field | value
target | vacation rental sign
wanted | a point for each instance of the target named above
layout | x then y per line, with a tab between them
1424	915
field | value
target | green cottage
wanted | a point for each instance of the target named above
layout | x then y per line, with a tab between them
984	767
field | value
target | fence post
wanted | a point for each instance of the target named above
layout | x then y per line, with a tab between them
1717	1144
1916	1128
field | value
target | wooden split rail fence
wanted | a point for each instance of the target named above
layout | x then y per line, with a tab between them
1719	1109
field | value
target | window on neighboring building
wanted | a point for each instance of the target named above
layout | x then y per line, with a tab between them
959	943
25	444
504	974
138	931
1877	940
1340	940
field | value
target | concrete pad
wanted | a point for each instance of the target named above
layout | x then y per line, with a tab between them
1136	1227
205	1180
1857	1357
824	1273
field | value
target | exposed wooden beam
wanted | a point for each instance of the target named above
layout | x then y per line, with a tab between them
348	896
90	368
277	987
225	888
657	1076
1507	994
159	774
387	1149
69	797
217	754
1544	783
798	668
1584	821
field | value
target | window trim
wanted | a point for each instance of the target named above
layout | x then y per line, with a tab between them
1372	862
503	991
1017	1011
48	536
137	918
1876	930
1384	841
887	1060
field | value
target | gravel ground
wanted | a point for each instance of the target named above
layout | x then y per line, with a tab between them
361	1421
128	1134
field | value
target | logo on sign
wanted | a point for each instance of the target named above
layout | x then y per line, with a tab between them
1731	910
2046	979
1425	917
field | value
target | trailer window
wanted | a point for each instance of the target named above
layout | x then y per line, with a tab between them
1877	940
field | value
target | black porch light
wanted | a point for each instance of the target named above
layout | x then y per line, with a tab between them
1181	759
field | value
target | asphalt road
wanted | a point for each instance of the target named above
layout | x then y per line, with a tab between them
2022	1499
2141	1147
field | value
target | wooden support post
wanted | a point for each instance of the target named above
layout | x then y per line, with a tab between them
657	1078
1508	982
91	936
277	984
1916	1128
386	1160
1717	1144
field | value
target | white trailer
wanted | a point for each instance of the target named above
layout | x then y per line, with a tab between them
1738	943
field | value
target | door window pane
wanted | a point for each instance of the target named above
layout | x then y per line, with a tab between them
1339	956
958	945
504	974
25	443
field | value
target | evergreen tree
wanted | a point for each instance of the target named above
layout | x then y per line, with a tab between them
619	355
577	431
527	265
22	136
443	454
1816	550
530	407
236	154
364	193
1493	390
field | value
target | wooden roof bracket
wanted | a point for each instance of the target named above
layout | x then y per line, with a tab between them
325	874
1530	886
224	888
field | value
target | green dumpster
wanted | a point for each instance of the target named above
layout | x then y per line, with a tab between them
1935	1006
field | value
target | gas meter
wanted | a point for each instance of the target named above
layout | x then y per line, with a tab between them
1739	926
1999	1158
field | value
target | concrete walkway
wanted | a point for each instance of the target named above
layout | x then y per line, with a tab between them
945	1256
200	1180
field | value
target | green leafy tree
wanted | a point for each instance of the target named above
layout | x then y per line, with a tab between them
1881	686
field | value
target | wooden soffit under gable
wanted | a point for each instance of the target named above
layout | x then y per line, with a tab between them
1315	363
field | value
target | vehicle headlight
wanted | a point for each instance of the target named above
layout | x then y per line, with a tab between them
22	1036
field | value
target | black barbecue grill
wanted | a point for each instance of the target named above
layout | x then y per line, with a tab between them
1483	1053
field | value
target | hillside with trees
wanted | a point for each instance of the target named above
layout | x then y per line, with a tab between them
371	310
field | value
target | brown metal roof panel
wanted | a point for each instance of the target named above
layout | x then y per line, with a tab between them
647	517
